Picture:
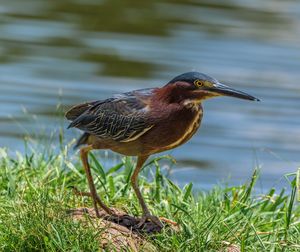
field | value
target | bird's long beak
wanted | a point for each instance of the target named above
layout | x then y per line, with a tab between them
222	89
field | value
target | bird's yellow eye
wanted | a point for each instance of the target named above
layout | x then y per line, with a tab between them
198	83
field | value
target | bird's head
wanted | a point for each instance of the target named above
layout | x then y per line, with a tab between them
197	87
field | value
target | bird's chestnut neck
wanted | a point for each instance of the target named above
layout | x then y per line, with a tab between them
179	92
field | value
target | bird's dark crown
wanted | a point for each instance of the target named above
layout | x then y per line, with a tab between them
191	77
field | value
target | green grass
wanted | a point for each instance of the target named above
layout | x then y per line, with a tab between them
35	194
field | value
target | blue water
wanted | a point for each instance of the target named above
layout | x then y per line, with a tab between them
66	52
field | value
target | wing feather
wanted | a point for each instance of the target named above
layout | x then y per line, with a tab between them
79	109
122	118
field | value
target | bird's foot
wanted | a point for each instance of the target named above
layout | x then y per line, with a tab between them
154	219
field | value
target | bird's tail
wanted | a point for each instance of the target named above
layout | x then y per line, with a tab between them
82	140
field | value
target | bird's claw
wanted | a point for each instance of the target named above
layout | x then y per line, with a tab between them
154	219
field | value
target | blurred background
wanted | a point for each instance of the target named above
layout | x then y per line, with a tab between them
69	51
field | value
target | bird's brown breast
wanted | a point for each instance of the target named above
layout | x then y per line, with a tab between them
181	129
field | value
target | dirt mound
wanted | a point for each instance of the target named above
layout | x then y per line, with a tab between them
118	233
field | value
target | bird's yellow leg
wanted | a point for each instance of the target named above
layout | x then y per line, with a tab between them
96	199
134	181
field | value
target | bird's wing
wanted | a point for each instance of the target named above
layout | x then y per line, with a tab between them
122	118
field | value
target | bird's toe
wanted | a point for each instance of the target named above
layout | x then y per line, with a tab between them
154	219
